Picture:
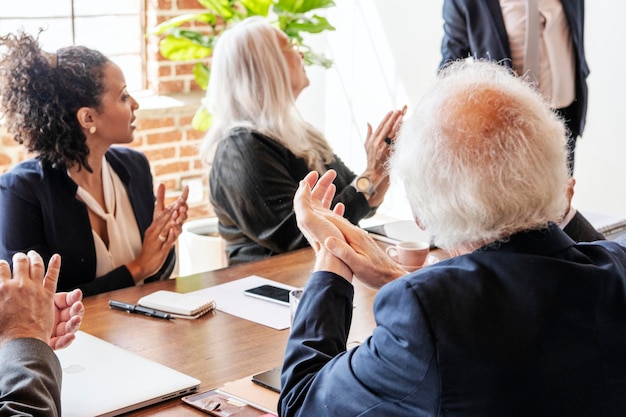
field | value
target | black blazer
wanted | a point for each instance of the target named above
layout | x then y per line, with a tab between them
40	212
476	28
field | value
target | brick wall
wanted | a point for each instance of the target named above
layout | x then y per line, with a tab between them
164	76
164	133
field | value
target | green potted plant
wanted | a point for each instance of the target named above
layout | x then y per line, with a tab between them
191	37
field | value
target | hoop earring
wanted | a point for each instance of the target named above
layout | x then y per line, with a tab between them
92	130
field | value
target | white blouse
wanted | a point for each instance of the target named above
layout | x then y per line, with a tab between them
124	236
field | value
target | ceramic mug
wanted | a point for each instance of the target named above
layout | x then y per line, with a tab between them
409	253
294	300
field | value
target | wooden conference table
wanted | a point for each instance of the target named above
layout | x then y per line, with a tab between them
216	348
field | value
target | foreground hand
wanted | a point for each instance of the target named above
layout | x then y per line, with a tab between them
362	254
336	240
68	316
311	205
28	301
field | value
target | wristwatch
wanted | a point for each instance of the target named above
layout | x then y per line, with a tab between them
364	185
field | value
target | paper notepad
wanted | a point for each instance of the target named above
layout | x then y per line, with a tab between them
188	306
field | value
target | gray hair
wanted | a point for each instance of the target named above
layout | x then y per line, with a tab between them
482	157
250	87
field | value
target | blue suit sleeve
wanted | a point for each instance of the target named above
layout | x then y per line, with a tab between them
392	373
455	43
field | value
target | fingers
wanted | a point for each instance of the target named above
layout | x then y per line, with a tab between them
21	266
302	198
383	123
62	342
52	275
73	324
181	207
339	209
398	123
325	189
311	179
74	296
5	270
391	124
184	195
160	198
37	268
69	305
63	300
340	249
329	195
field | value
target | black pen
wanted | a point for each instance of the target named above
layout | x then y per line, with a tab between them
132	308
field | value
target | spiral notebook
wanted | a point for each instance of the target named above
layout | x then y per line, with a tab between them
186	306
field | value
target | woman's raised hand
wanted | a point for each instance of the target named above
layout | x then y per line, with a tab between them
161	236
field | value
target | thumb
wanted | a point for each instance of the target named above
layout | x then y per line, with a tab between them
339	249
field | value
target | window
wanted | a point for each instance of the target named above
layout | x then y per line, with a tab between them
113	27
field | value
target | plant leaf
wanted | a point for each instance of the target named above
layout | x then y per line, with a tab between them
202	119
302	23
182	49
303	6
201	73
207	18
201	39
257	7
220	7
312	58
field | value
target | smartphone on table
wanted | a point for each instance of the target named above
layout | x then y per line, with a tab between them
269	379
269	293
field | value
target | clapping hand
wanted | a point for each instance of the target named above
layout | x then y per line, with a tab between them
30	306
340	246
161	236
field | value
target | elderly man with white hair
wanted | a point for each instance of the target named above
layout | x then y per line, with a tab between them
521	321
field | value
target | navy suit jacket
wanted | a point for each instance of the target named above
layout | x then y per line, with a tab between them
40	212
532	326
475	28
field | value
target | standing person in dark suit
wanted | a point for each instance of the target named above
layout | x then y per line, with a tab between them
521	321
496	30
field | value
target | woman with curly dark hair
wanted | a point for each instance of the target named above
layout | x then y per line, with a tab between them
80	197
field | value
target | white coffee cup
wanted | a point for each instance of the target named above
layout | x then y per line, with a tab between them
294	300
411	254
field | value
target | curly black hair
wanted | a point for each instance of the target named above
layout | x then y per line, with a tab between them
40	94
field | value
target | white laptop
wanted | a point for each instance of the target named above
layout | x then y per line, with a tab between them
101	379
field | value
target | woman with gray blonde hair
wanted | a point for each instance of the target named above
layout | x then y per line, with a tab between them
260	147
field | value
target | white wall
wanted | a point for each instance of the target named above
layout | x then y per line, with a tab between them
387	51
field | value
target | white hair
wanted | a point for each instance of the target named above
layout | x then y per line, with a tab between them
250	87
482	157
